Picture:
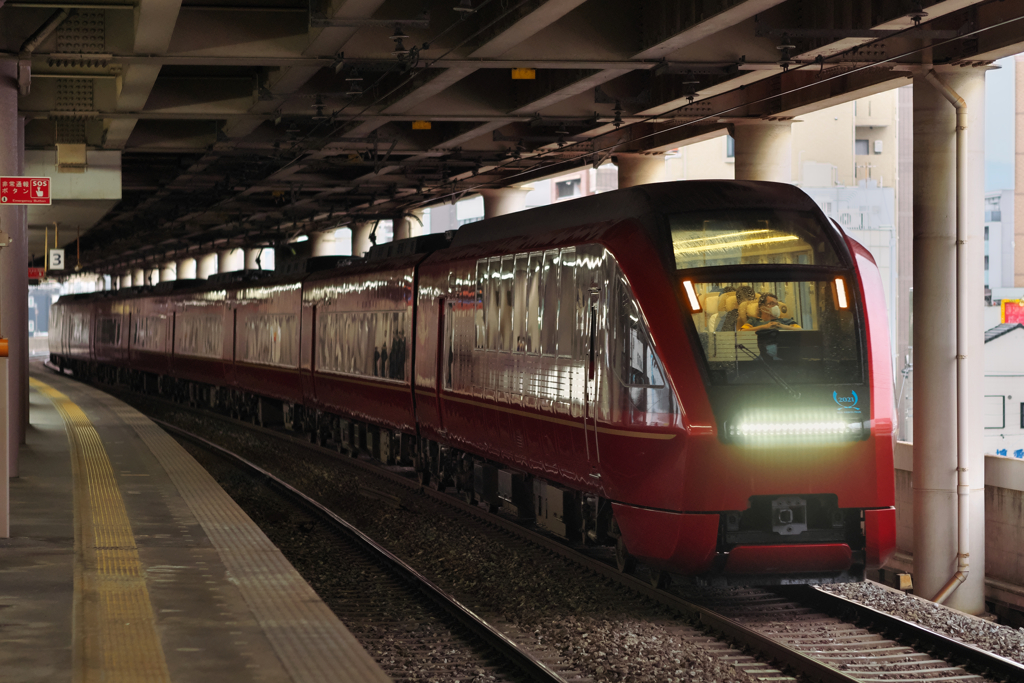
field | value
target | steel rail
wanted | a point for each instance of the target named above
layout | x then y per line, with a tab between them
913	635
524	661
985	663
812	669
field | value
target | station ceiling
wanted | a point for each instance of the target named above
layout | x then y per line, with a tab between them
245	122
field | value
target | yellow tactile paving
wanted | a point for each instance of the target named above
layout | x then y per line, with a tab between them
114	626
311	642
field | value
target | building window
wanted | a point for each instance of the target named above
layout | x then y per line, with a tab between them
730	147
861	147
986	261
986	232
567	188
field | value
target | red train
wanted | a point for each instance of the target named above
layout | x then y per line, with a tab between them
696	373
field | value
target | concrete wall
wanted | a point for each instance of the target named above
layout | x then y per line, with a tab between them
1004	524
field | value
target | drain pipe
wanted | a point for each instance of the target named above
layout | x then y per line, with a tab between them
963	555
30	45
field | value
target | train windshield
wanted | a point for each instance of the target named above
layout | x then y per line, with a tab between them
756	329
793	332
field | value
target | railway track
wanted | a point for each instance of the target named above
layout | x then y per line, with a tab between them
394	610
797	632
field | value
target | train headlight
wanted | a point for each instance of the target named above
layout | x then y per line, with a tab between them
789	431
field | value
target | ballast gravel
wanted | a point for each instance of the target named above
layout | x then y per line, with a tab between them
1004	641
600	631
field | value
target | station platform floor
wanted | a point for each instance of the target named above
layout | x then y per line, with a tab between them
128	562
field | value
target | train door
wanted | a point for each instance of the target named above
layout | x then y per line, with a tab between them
591	382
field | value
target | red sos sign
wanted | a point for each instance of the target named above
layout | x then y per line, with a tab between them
23	190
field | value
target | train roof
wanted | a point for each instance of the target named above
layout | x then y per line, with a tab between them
636	202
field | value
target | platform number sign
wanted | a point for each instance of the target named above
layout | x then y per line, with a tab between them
56	259
24	190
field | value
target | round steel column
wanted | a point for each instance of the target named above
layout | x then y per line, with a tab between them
138	277
935	349
639	169
500	201
168	272
764	151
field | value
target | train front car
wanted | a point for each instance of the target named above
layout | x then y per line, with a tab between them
787	470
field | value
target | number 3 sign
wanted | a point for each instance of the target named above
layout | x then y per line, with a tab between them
56	259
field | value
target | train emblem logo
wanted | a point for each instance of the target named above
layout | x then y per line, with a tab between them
847	404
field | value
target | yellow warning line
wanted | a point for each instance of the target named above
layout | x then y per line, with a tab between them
115	637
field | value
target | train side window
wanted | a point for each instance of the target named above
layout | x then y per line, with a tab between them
549	310
568	303
519	301
479	310
505	296
533	292
635	363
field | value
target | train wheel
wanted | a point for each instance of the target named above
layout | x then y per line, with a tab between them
660	579
623	560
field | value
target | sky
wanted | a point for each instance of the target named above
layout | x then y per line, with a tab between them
999	140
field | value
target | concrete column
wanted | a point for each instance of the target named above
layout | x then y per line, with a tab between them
264	254
503	200
185	269
403	227
13	266
1018	182
361	237
206	265
764	151
639	169
323	244
230	260
168	272
935	350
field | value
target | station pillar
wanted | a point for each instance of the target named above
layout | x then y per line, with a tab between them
764	150
259	258
936	287
639	169
168	272
230	260
361	237
138	277
323	243
125	281
14	266
185	269
503	200
206	265
402	227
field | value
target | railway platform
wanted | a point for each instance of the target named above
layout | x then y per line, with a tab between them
128	562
